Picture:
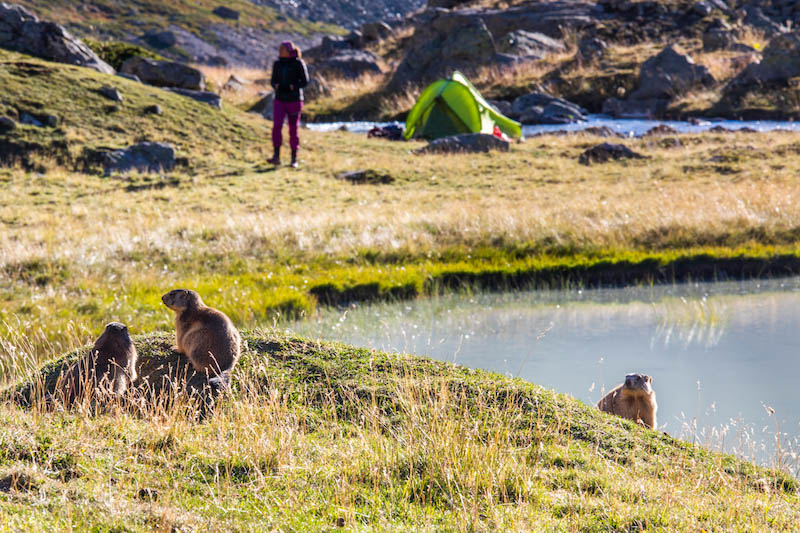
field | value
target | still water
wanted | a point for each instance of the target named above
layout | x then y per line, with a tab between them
725	357
626	127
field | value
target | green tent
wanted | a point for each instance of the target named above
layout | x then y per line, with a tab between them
454	106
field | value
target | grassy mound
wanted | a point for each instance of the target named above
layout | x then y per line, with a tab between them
318	436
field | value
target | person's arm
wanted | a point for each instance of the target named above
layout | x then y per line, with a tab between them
302	75
274	79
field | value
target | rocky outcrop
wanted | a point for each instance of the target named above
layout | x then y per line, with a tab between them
7	124
212	99
264	106
375	31
605	152
347	13
160	39
22	31
529	44
466	143
143	157
112	93
780	62
341	57
662	77
165	73
226	13
591	49
541	108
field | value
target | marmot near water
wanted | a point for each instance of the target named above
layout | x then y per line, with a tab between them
109	368
204	335
635	399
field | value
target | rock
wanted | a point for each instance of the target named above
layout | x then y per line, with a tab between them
541	108
355	39
165	73
600	131
755	17
529	44
591	48
668	74
661	129
264	106
502	106
370	177
718	39
468	142
160	39
376	31
647	108
111	93
129	77
349	64
21	31
226	13
143	157
212	99
317	88
779	63
7	124
154	109
703	8
606	152
234	84
38	120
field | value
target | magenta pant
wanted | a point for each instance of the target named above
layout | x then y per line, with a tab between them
280	111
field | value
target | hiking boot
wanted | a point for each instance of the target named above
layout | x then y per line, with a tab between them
276	157
294	162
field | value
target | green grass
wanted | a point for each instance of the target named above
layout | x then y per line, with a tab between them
319	435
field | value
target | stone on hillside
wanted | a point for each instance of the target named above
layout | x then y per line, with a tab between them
212	99
154	109
22	31
670	73
7	124
143	157
234	84
376	31
718	39
779	63
591	48
661	129
606	152
600	131
541	108
466	143
349	64
165	73
317	88
368	177
129	77
226	13
528	44
756	18
160	39
264	106
111	93
39	120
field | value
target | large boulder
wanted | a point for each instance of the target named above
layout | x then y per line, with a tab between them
529	44
349	64
669	74
605	152
780	62
541	108
264	106
143	157
160	39
22	31
226	13
212	99
375	31
645	108
755	18
165	73
466	143
444	42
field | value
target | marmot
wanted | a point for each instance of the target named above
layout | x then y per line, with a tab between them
635	399
109	368
204	335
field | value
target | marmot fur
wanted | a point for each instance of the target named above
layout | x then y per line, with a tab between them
635	400
109	368
204	335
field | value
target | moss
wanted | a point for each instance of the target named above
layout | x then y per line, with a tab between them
115	53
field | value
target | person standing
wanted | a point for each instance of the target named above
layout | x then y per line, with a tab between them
289	76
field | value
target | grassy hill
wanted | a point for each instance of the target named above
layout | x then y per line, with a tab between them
328	437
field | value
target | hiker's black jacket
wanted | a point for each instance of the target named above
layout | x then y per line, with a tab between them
289	76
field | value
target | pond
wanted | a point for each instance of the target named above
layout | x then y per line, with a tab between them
725	357
627	127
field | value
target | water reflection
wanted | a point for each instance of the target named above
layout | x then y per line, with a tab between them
724	356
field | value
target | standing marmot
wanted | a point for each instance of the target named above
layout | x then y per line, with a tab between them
635	399
109	368
204	335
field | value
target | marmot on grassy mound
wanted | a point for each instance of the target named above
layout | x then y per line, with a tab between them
635	399
109	368
204	335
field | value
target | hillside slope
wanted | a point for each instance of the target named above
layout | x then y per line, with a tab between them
320	436
194	33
